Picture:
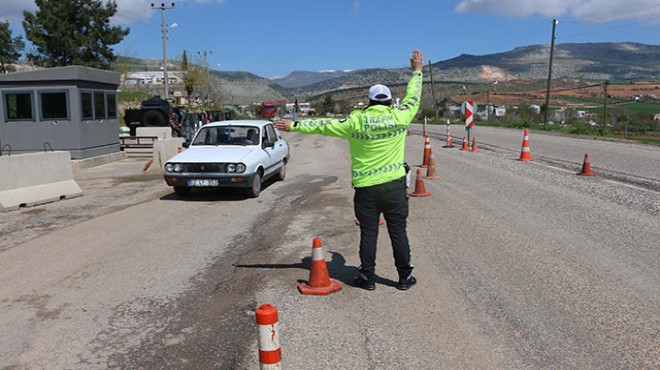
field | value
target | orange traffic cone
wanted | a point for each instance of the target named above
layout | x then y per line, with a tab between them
319	281
474	148
449	144
432	171
586	167
420	189
524	153
465	144
427	152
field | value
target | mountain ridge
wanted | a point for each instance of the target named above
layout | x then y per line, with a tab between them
588	61
606	61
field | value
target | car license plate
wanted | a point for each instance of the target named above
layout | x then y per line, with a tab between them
203	182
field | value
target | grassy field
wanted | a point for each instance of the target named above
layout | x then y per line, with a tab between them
647	108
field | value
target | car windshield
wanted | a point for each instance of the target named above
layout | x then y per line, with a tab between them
227	135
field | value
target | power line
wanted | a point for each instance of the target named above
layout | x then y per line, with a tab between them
618	16
610	28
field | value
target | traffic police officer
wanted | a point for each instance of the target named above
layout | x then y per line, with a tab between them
376	137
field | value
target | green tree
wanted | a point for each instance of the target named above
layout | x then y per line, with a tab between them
195	75
192	78
184	61
73	32
328	104
10	48
526	114
427	110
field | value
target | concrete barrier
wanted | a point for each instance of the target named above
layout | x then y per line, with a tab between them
163	151
35	178
161	133
81	164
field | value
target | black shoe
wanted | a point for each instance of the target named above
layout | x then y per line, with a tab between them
364	283
406	283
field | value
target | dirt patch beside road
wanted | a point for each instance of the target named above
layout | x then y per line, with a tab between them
106	188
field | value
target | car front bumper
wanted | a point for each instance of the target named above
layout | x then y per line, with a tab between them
209	180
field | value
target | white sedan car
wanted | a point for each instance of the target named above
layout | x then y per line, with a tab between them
229	154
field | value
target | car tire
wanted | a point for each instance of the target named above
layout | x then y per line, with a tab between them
181	191
255	189
282	172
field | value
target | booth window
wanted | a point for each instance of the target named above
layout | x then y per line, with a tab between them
112	105
19	106
99	105
86	105
54	105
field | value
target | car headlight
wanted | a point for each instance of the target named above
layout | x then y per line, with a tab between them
169	167
231	167
178	167
240	168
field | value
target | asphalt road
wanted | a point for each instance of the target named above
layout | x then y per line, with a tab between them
521	265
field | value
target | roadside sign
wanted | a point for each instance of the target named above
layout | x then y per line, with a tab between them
468	108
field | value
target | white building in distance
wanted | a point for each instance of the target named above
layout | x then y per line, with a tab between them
152	78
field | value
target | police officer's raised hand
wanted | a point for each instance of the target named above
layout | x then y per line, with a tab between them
283	124
416	61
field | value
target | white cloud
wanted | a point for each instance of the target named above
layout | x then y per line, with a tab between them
588	10
127	11
12	11
130	10
355	8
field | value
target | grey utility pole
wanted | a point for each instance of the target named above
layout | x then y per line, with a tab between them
602	127
435	102
547	93
205	53
163	8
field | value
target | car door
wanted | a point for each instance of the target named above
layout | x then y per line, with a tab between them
277	153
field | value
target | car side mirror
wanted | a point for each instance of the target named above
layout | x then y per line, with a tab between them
269	144
185	144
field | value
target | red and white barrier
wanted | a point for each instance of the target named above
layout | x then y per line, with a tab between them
469	114
450	143
270	356
427	152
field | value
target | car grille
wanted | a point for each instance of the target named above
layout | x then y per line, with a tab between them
204	167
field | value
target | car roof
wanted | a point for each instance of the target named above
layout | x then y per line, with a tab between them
257	123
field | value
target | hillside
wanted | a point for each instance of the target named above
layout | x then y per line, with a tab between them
598	61
572	62
245	87
592	61
304	78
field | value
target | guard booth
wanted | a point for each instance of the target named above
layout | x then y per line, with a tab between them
70	109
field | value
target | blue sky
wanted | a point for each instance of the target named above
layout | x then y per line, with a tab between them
272	38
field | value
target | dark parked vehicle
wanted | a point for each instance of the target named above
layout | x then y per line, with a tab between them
153	112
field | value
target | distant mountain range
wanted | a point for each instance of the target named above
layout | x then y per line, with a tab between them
612	61
298	79
584	61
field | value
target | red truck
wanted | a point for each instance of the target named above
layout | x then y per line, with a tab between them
268	109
